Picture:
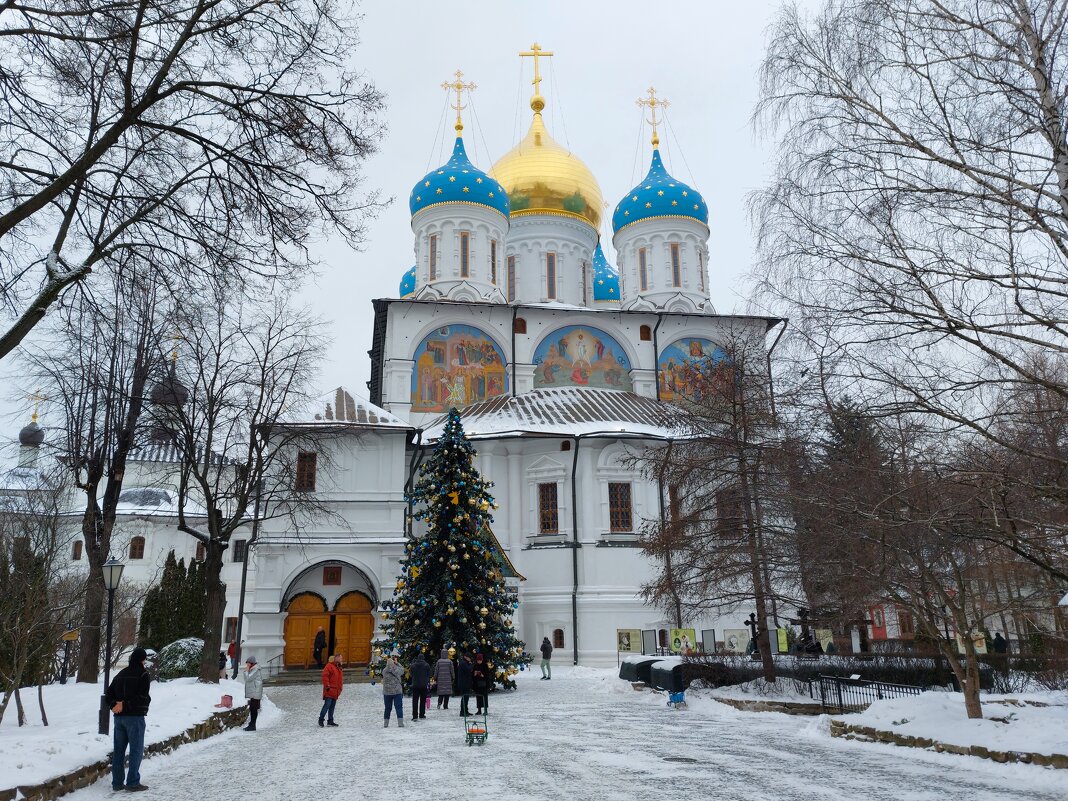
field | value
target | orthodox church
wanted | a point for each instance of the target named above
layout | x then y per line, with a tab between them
564	368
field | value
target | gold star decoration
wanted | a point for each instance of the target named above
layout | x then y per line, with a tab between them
634	197
417	198
600	281
452	179
674	202
684	193
426	183
441	172
491	194
648	205
466	189
648	186
611	290
626	214
439	190
672	185
478	180
695	207
660	193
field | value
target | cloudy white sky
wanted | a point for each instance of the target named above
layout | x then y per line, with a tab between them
702	55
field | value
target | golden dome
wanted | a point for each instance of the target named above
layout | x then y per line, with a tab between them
542	177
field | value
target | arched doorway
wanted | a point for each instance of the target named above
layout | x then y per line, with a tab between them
305	614
352	626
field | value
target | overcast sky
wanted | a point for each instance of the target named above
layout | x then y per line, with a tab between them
703	56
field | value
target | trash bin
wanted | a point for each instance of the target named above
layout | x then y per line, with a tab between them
636	668
669	675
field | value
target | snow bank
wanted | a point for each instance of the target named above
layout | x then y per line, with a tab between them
759	690
35	753
1036	723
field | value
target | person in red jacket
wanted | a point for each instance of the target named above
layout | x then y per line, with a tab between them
333	678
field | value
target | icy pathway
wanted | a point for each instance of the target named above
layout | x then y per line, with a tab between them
584	735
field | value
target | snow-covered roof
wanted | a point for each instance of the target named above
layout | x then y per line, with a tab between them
155	502
164	452
347	408
566	411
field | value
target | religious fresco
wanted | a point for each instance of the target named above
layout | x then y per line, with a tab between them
684	364
581	356
457	365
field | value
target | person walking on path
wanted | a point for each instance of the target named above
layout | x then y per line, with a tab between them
444	674
393	689
420	670
319	647
253	691
481	683
128	698
231	652
546	655
222	665
333	679
464	683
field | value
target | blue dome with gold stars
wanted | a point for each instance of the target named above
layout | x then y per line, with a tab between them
407	284
659	195
605	278
458	181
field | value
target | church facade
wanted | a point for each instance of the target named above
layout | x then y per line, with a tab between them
563	368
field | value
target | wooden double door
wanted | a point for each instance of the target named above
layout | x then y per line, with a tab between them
348	628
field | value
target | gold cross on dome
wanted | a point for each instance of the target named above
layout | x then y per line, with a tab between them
177	336
653	102
537	102
459	87
36	397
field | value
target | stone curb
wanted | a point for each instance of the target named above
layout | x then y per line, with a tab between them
89	774
839	728
786	707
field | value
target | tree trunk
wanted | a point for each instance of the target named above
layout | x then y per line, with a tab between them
4	703
755	565
89	653
967	675
214	608
19	708
40	703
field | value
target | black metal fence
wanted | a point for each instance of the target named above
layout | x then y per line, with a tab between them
838	695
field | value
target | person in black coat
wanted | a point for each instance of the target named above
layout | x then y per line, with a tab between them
128	698
481	682
319	647
465	683
546	655
420	670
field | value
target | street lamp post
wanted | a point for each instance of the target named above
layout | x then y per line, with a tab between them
112	570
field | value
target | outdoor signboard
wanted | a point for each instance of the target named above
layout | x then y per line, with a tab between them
683	640
629	641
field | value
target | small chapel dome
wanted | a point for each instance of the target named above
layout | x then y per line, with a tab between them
458	181
31	435
407	283
605	278
170	391
659	195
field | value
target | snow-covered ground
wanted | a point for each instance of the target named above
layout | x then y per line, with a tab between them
585	734
1037	723
36	753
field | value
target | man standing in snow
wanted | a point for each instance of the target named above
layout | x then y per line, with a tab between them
420	686
546	654
128	699
253	691
333	679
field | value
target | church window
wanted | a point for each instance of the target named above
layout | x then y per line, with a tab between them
519	326
465	254
701	270
76	553
620	516
565	445
433	257
550	276
137	548
585	281
643	270
676	265
548	511
240	549
645	333
202	552
730	512
305	479
511	279
493	261
904	622
558	638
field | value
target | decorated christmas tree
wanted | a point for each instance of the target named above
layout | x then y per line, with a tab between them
451	591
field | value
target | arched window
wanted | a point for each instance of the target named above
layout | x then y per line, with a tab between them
433	257
565	445
511	279
519	326
676	265
201	552
137	548
558	638
550	276
76	553
645	333
465	254
662	638
493	261
643	271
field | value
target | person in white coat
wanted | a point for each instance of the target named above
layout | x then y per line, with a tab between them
253	691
